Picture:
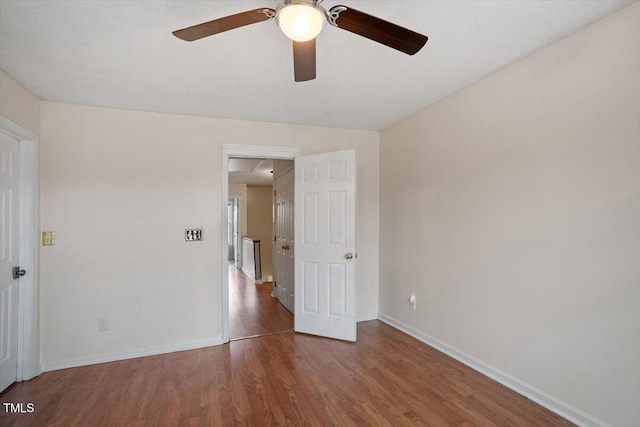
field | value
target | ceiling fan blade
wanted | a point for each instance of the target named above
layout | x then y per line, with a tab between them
376	29
230	22
304	60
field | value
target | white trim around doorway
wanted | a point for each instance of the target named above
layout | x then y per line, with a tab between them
251	152
27	294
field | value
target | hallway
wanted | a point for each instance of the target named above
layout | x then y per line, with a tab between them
252	309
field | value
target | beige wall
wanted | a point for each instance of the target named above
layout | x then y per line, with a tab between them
510	209
260	222
119	187
19	105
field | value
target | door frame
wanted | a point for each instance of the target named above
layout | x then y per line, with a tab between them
27	291
249	152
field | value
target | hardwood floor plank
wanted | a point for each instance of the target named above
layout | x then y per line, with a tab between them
386	378
252	309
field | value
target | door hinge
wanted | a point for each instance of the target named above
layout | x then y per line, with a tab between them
17	273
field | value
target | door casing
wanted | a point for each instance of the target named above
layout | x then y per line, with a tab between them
27	292
251	152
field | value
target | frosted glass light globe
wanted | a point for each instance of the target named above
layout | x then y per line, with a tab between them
300	22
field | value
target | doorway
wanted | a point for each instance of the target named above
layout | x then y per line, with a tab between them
255	307
325	249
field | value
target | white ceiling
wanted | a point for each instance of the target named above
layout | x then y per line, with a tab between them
253	172
122	54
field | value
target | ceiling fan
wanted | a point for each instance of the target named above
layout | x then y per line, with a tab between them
302	21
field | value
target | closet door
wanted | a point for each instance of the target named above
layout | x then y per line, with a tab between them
284	241
289	232
9	258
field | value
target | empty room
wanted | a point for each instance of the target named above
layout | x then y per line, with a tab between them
316	212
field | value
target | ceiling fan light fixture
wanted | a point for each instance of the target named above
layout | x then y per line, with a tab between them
301	20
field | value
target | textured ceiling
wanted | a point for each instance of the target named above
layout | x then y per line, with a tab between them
244	165
122	54
253	172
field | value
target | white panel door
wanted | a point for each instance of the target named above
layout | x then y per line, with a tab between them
325	203
278	247
289	240
230	231
236	234
284	244
9	258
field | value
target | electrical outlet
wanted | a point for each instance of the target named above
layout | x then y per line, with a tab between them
103	325
412	302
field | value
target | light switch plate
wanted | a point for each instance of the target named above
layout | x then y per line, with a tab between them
48	238
193	234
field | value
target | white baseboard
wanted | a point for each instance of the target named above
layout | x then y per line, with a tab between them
152	351
553	404
255	281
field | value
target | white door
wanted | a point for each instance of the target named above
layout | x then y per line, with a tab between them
9	258
325	202
284	243
289	241
236	234
230	231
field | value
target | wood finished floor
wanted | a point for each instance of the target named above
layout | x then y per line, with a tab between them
252	309
385	379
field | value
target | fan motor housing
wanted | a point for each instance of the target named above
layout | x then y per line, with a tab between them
308	12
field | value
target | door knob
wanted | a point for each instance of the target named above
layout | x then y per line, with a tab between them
349	255
17	273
